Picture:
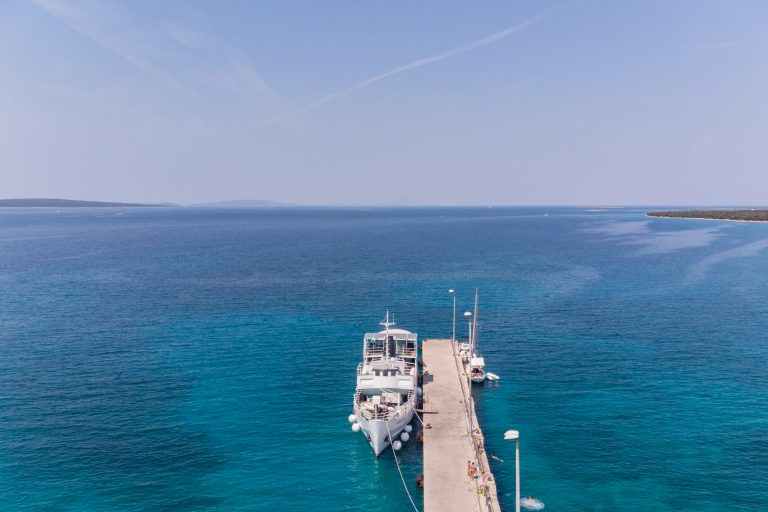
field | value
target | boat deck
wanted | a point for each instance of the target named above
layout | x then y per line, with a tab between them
450	442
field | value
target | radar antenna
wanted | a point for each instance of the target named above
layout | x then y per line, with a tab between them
386	323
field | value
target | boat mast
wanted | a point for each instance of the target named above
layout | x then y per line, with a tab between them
474	328
386	323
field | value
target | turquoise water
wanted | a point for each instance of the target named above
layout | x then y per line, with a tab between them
203	359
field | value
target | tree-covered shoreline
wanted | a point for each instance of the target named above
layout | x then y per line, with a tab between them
739	215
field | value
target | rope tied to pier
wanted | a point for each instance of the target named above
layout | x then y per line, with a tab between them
397	462
415	414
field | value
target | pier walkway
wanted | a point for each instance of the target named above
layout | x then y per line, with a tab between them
449	440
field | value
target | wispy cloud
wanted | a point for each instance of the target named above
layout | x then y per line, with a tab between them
90	27
448	54
721	44
220	69
229	66
527	81
184	36
244	73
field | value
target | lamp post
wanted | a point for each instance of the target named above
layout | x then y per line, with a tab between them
453	336
515	435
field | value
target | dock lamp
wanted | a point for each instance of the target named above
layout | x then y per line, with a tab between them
453	336
514	435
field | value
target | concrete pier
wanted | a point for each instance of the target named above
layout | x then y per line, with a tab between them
452	436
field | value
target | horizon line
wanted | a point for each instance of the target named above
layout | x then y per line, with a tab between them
280	204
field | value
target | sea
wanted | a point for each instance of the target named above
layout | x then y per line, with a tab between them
203	359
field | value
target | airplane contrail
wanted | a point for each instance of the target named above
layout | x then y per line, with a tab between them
449	54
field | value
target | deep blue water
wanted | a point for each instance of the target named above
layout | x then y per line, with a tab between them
203	359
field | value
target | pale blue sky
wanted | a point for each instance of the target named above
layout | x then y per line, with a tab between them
329	102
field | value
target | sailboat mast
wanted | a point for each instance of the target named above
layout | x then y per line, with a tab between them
474	327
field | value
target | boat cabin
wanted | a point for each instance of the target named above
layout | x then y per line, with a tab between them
390	344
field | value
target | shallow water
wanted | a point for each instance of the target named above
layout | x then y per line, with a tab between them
203	359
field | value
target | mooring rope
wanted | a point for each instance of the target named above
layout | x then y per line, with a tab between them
415	413
397	462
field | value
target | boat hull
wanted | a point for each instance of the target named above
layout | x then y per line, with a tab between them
378	431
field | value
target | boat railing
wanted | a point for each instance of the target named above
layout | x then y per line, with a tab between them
385	372
385	413
374	352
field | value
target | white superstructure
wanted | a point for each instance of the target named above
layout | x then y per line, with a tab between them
476	368
386	386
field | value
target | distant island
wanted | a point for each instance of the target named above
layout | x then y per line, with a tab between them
67	203
737	215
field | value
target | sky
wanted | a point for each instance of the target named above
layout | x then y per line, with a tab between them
386	103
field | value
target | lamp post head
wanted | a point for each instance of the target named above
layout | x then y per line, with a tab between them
451	291
467	313
511	435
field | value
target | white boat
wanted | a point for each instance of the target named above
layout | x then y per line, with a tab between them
476	364
476	368
385	397
464	349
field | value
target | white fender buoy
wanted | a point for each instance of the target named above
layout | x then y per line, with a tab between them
352	418
418	391
355	427
408	428
404	436
397	445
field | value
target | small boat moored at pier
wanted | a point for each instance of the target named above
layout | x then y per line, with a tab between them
476	368
474	361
